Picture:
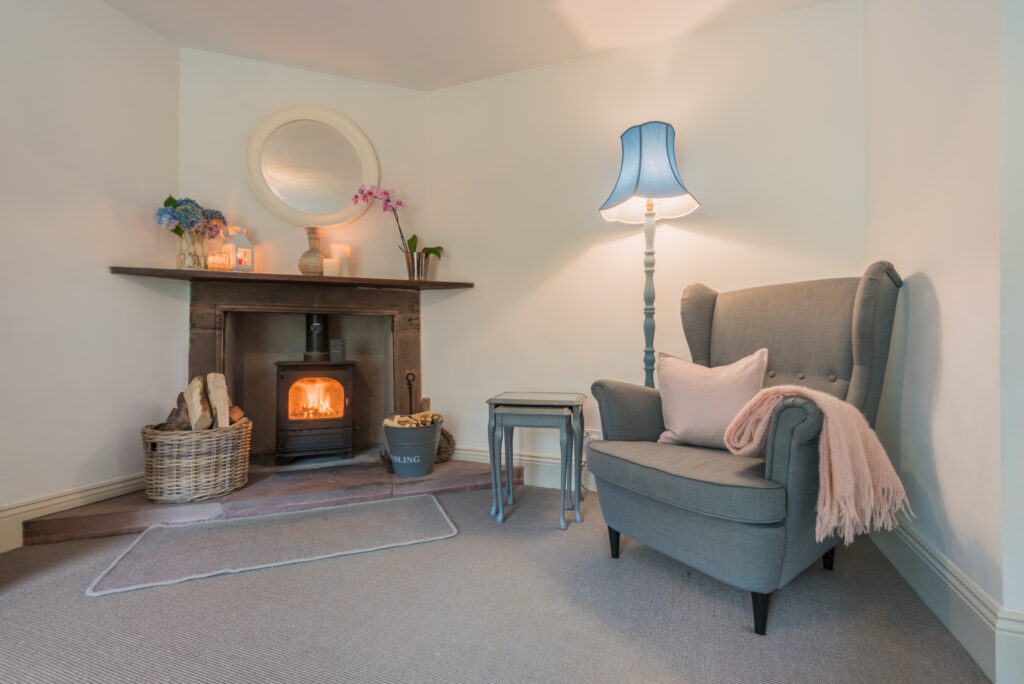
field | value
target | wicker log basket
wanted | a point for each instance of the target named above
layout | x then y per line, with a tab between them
183	465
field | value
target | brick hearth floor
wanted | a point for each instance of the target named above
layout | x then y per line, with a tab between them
268	491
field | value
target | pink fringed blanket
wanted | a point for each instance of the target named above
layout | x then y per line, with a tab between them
859	489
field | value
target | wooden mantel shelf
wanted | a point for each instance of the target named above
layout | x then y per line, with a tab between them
231	277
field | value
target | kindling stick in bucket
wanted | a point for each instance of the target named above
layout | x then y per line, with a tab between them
420	419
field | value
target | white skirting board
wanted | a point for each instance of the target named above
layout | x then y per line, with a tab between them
992	635
539	470
12	515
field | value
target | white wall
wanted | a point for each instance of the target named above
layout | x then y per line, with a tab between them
507	174
88	149
768	118
932	83
222	100
1012	311
944	157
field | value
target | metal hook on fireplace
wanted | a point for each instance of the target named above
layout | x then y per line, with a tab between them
410	378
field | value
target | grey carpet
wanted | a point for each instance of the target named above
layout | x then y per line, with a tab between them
519	602
167	554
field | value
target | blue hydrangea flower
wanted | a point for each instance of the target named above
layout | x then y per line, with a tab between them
189	214
166	218
213	221
215	216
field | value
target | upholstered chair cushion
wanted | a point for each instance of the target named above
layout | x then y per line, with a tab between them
706	481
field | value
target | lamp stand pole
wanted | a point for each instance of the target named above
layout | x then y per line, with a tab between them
649	295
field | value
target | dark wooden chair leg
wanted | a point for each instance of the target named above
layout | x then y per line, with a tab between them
760	602
613	541
829	559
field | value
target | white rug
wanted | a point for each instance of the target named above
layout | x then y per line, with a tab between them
168	554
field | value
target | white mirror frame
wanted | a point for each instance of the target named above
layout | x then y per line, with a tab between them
341	123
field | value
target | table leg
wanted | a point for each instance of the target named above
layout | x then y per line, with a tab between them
569	503
497	470
564	443
508	465
577	449
566	465
495	483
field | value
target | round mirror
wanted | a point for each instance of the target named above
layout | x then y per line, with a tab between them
305	164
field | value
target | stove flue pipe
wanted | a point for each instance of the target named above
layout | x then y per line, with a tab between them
318	344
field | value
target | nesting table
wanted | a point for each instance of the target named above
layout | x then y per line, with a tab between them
561	410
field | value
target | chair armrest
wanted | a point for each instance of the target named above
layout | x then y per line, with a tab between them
791	451
629	413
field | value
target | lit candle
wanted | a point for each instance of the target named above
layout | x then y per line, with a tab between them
217	262
332	267
343	254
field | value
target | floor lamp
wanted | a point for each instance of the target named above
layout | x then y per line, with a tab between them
649	188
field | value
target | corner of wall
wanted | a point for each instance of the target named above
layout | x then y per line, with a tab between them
967	611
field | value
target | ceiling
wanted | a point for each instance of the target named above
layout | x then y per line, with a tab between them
431	44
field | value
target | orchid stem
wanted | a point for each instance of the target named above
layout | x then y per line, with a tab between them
405	245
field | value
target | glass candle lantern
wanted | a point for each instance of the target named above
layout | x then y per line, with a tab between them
242	254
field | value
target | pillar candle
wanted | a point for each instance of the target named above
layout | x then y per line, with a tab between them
343	254
332	267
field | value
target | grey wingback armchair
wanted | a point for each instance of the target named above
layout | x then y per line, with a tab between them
746	521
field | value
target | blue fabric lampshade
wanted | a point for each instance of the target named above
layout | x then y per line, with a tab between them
648	172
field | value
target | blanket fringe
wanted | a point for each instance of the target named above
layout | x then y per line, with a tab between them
848	520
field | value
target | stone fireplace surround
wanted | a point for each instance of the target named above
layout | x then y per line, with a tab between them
215	296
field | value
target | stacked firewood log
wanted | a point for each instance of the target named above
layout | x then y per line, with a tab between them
421	419
203	405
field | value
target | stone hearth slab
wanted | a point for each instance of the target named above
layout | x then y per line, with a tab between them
265	493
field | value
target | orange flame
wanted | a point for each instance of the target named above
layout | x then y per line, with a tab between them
316	399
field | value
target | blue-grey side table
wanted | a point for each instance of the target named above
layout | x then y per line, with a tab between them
562	410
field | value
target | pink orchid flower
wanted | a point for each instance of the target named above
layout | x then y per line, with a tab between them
388	202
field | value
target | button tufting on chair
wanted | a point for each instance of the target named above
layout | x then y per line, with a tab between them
832	378
771	374
800	375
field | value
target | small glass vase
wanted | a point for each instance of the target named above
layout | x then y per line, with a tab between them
192	250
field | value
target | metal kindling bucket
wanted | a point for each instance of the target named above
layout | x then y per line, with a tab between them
413	449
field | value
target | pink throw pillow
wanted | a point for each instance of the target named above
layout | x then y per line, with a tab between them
698	402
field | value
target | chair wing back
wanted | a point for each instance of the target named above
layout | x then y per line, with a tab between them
830	335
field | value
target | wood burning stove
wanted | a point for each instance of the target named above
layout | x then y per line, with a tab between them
313	400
